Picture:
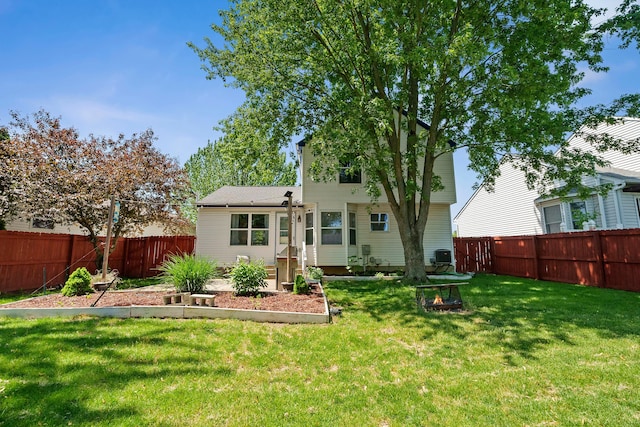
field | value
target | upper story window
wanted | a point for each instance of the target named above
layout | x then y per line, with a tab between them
242	228
379	222
350	174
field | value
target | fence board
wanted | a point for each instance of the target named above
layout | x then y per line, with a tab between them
607	258
27	260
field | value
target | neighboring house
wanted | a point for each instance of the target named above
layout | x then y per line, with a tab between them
512	209
335	222
43	225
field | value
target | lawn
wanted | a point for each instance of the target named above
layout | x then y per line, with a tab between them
525	353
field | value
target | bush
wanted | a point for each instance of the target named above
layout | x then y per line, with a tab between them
300	286
315	273
248	278
79	283
187	272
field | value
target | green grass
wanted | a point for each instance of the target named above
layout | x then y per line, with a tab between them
130	283
524	353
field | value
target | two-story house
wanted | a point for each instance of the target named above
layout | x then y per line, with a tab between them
513	209
334	223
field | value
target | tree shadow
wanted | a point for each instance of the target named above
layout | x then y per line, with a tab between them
520	316
50	367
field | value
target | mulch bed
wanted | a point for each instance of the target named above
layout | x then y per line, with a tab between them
270	301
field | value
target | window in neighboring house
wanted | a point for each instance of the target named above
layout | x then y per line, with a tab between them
284	230
379	222
552	218
241	229
331	228
578	214
308	228
352	228
44	223
349	174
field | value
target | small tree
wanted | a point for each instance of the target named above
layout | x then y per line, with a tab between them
248	277
79	283
69	179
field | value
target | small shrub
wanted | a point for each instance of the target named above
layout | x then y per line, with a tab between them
315	273
300	286
187	272
79	283
248	278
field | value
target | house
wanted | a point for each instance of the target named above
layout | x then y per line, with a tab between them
513	209
335	224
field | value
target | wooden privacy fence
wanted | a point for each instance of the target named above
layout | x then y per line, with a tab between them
606	258
28	260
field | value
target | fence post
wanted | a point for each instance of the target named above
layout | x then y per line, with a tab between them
536	258
597	249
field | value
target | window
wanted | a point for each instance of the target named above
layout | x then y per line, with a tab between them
349	174
552	218
42	223
352	228
240	230
578	214
308	228
259	230
284	230
379	222
331	228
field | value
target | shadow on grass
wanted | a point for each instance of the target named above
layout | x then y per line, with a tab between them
50	367
518	315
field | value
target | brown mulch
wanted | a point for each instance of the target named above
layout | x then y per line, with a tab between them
270	301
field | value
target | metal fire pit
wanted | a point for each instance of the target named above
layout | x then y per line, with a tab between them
439	297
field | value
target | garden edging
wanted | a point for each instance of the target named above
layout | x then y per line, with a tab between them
173	311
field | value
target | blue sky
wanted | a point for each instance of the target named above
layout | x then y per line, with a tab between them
122	66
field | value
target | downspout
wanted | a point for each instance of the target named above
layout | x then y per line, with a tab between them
617	204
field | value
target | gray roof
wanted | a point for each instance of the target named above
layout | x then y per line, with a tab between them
229	196
621	174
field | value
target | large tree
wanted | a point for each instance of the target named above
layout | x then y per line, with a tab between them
244	156
69	179
498	78
8	191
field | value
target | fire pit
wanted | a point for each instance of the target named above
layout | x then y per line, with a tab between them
439	297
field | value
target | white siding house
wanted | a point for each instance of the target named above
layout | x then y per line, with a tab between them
335	223
512	209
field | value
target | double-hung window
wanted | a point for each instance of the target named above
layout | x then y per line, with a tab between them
352	229
331	228
578	214
247	228
350	174
308	228
379	222
552	218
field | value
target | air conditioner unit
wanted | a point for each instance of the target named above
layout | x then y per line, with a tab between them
443	256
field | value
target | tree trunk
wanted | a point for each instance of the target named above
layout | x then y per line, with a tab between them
412	242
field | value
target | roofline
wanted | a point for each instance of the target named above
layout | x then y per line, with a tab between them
218	205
